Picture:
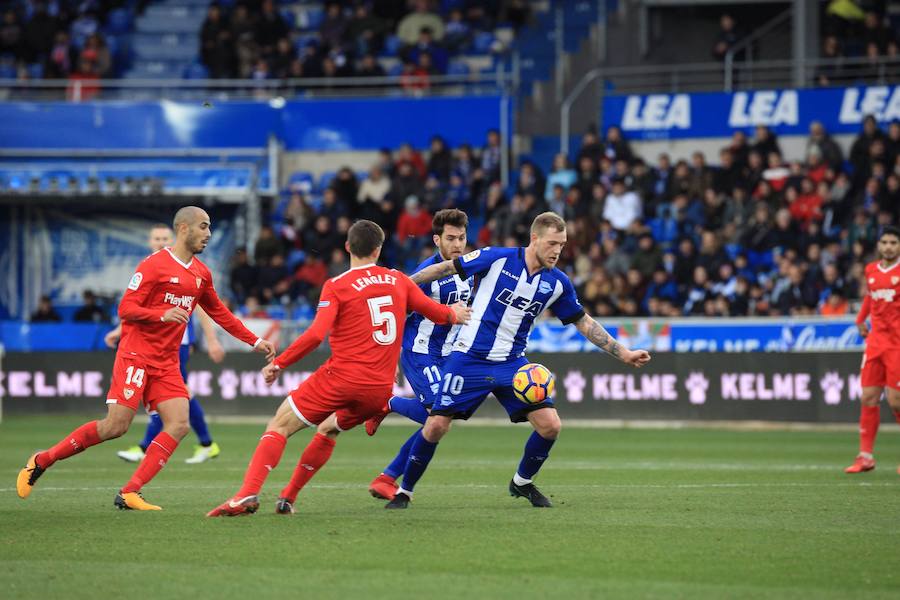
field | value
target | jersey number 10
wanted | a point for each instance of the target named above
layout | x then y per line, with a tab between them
383	321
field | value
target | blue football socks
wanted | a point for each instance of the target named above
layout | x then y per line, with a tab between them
198	423
410	408
153	428
420	455
398	465
537	450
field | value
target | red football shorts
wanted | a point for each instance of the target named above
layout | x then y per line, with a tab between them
880	368
322	394
134	383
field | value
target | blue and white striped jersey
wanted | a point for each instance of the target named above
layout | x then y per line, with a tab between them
421	335
507	300
189	336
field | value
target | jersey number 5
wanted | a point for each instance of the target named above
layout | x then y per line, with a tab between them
383	318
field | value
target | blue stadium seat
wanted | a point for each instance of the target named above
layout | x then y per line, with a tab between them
457	67
118	21
325	179
483	42
302	181
289	16
392	45
310	17
396	70
196	71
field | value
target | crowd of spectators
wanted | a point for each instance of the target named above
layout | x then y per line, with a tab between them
755	235
861	31
260	44
56	39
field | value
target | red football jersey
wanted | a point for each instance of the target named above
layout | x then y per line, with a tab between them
883	300
160	282
365	309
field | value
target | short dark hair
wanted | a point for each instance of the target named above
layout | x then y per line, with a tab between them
890	230
448	216
364	238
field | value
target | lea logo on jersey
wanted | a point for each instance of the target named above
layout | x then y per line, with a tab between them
136	280
471	256
526	305
457	296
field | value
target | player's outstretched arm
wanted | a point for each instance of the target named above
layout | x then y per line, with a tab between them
213	346
326	314
597	334
864	311
442	314
434	272
216	309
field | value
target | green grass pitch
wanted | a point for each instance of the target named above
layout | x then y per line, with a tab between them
639	514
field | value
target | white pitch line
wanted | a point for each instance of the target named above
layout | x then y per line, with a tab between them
593	486
558	465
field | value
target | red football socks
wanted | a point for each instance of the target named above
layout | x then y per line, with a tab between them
869	419
158	453
265	458
314	457
83	437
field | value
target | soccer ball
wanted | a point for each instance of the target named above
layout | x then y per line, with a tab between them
533	383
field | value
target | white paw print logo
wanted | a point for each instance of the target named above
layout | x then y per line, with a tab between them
575	383
831	385
696	385
228	384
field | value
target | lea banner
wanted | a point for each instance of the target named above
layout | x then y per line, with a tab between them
718	114
806	387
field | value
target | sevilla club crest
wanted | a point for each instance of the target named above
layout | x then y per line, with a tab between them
199	281
128	393
895	280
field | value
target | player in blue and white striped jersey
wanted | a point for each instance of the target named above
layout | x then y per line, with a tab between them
513	286
425	344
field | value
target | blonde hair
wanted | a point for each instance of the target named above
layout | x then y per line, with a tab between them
547	220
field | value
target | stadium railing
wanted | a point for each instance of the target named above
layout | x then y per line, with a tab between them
253	89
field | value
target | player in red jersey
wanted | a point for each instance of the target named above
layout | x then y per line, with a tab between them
880	369
364	311
154	311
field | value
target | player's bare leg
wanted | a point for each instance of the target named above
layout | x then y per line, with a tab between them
547	426
314	457
118	419
174	415
265	458
869	419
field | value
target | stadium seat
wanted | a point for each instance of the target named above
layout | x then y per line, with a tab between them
392	45
457	67
196	71
483	42
118	21
302	181
325	179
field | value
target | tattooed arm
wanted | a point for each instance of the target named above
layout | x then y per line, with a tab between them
598	336
434	272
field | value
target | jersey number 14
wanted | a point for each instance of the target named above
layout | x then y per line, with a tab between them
383	321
